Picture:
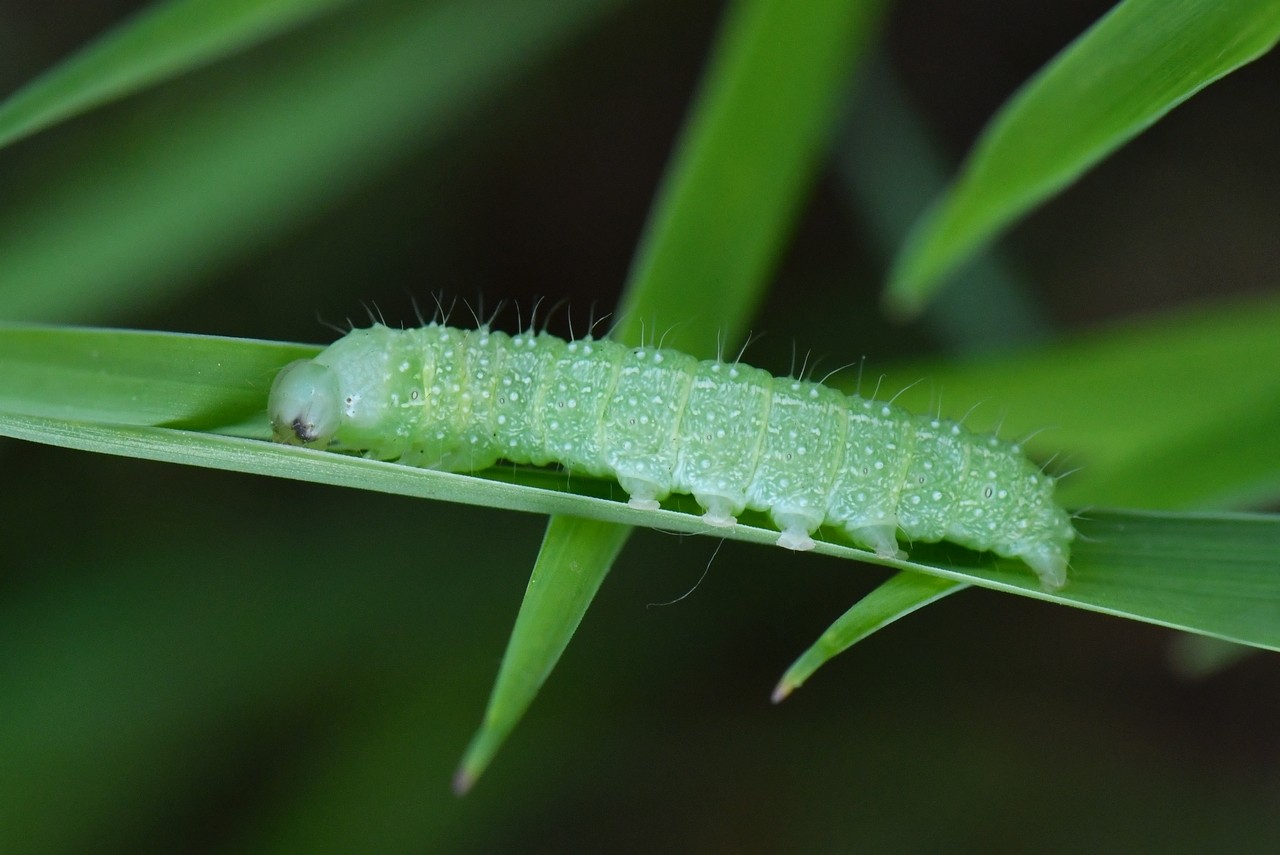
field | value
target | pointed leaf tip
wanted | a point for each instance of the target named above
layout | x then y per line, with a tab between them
576	556
463	780
783	690
897	597
484	746
899	305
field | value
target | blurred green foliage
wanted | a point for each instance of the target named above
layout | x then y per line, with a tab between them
204	661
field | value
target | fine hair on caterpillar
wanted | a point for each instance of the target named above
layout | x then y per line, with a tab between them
659	422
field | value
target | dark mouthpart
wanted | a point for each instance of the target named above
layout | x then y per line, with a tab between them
303	431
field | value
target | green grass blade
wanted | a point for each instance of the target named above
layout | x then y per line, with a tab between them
525	490
1134	65
575	558
258	148
757	131
755	135
898	597
1213	574
138	378
157	43
1115	401
1216	575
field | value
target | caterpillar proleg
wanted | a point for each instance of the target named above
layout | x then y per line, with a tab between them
661	422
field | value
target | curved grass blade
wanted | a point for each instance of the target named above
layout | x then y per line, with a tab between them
1162	569
897	597
160	42
1142	59
1209	573
575	557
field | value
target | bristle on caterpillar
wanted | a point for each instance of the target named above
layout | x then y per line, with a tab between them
662	422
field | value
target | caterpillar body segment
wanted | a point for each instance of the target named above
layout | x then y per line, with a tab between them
661	422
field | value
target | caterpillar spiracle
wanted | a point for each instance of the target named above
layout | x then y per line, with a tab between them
661	422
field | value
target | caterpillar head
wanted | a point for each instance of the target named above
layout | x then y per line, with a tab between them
305	404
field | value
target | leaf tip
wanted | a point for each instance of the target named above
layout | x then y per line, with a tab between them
472	765
463	780
899	303
783	690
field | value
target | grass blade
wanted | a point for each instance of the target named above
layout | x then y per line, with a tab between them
160	42
898	597
1213	574
575	557
1208	573
138	378
757	131
1137	63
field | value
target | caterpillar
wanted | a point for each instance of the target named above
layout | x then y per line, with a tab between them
660	421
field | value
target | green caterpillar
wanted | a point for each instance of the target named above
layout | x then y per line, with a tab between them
662	422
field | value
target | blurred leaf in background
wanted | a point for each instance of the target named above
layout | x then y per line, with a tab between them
186	182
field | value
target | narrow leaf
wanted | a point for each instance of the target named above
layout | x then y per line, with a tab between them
898	597
161	41
136	377
575	557
1213	574
760	126
1133	66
